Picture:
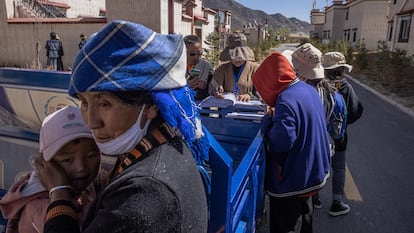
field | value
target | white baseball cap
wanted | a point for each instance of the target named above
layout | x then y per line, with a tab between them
59	128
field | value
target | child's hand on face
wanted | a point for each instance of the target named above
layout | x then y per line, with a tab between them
50	174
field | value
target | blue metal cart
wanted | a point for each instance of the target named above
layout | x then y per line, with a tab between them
236	162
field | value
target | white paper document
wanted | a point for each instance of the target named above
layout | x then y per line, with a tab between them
245	115
229	101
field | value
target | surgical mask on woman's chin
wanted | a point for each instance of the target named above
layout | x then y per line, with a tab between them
128	140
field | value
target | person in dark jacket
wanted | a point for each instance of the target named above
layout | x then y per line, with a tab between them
61	53
82	41
53	49
335	67
199	71
297	155
143	117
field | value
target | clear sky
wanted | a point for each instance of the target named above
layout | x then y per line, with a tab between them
290	8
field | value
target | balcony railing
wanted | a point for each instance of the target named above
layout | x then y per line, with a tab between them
42	10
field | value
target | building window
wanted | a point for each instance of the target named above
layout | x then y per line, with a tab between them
354	34
347	33
395	2
347	14
221	17
198	32
405	29
390	32
326	34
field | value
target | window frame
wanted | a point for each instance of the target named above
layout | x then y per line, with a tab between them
390	30
347	33
354	34
347	14
405	26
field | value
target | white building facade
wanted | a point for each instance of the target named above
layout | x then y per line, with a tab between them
24	33
400	33
353	21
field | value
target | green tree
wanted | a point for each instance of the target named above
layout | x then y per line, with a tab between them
382	61
400	67
212	53
361	60
340	46
283	32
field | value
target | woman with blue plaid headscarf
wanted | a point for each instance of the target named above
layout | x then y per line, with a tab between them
132	87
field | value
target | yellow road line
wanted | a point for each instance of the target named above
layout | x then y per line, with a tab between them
351	190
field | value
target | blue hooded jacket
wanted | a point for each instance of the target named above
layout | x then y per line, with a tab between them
298	156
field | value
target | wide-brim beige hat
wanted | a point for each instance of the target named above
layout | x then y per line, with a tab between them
237	48
307	60
237	53
332	60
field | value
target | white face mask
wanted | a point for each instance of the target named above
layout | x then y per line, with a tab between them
128	140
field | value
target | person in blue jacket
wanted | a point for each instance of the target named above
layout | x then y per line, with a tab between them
53	51
297	144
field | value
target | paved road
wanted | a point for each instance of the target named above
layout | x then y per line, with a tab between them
282	47
380	164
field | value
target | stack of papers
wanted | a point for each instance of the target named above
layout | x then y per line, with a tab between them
229	101
245	115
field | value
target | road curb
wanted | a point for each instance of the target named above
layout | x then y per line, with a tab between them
385	98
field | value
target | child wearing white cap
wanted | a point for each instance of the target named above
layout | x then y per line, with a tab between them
66	140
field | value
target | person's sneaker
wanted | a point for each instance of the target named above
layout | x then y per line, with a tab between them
316	201
339	208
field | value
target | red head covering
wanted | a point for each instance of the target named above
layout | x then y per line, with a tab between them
272	77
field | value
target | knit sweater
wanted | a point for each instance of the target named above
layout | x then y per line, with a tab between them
299	147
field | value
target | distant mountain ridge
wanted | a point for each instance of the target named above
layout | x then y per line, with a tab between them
242	15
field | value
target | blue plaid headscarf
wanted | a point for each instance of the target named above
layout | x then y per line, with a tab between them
125	56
